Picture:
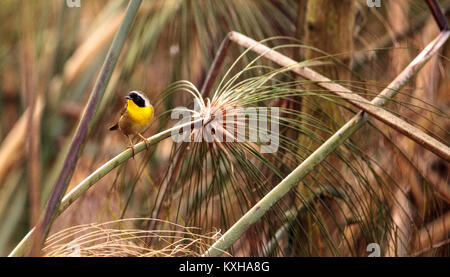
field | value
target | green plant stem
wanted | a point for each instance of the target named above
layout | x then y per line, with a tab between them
82	187
296	176
84	126
355	99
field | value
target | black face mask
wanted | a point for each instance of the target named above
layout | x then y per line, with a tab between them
137	99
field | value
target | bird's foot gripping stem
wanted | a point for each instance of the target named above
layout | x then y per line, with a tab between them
133	149
147	144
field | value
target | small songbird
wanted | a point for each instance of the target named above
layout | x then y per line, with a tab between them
135	117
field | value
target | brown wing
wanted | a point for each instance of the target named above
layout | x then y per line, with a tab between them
116	125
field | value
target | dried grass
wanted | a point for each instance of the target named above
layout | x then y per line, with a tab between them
119	238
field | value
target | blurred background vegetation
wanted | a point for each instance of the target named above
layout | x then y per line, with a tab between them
50	55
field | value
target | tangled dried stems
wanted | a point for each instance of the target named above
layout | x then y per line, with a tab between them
119	238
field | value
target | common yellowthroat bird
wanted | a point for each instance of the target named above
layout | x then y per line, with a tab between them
135	117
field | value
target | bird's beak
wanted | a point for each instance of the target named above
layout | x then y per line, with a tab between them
127	97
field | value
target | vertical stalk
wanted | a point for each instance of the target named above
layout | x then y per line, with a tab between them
215	67
330	27
438	15
98	174
29	90
85	125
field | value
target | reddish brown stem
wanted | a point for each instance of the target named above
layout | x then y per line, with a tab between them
215	67
440	18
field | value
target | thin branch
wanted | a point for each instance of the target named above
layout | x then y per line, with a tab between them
440	18
33	124
434	246
419	21
215	67
300	27
433	234
296	176
98	174
85	125
372	108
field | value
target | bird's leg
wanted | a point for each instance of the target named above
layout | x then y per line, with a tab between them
131	146
147	144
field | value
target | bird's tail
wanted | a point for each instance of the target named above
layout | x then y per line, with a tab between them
114	127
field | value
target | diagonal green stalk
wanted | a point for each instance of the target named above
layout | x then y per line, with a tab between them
383	115
82	187
296	176
85	125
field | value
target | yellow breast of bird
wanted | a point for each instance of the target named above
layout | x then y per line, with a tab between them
139	115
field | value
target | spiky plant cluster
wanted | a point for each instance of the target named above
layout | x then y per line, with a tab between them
214	178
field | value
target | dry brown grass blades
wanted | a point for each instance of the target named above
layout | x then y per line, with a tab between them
119	238
12	147
91	48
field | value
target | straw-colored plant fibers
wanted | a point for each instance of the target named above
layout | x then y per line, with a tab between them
119	238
